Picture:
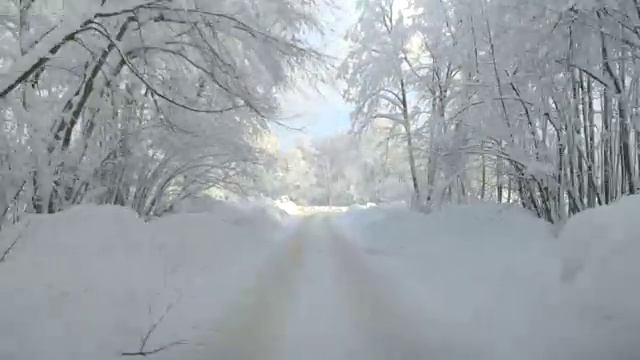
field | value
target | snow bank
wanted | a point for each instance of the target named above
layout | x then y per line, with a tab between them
248	210
600	249
287	206
355	221
89	282
361	206
604	241
499	280
75	285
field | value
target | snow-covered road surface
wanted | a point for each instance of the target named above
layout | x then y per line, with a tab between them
378	283
315	298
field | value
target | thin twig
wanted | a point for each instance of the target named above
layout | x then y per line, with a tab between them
154	351
143	342
13	244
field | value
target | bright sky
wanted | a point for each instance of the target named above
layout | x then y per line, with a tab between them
326	113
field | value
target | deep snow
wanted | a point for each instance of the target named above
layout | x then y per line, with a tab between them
506	284
467	282
89	282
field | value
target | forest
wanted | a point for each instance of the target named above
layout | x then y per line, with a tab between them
143	103
473	198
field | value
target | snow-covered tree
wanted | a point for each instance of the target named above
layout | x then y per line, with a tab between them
522	101
140	102
343	169
377	78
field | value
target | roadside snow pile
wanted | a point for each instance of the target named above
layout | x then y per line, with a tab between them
600	272
499	279
89	282
361	206
245	211
264	208
287	206
197	204
355	221
357	216
604	241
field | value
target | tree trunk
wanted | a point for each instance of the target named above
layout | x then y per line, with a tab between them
412	161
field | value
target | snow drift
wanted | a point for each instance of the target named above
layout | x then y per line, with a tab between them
600	250
247	210
90	282
500	282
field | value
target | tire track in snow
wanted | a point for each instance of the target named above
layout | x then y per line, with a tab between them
255	325
391	328
319	326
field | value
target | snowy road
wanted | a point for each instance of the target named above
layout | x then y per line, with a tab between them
316	297
338	288
374	284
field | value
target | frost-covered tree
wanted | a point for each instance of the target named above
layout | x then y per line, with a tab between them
378	80
140	102
343	169
533	102
400	70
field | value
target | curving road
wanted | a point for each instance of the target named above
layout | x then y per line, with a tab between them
317	297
